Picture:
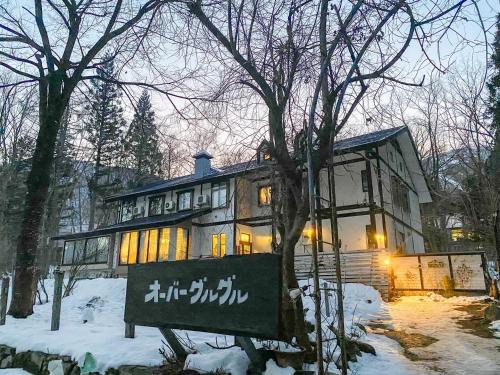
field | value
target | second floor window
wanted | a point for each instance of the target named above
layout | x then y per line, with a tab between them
264	195
364	180
185	200
127	212
156	205
219	195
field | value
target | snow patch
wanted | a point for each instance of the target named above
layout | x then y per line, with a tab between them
233	361
273	369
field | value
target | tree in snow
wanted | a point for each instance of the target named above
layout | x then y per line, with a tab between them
49	46
104	126
141	141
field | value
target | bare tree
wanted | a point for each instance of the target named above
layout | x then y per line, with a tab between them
55	45
310	64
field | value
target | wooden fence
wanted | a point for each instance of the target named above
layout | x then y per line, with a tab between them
363	266
461	272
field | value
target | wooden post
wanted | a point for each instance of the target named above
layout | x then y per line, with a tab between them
174	343
56	300
3	298
327	300
258	363
129	330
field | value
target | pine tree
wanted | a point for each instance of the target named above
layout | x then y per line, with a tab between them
494	159
141	141
104	128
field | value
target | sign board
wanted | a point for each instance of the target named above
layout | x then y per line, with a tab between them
236	295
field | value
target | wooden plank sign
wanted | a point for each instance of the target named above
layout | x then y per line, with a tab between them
236	295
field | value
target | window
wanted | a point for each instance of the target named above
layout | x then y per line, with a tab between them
218	245
245	244
181	245
185	200
219	195
391	156
215	245
400	194
148	246
86	251
128	248
264	195
164	244
127	211
156	205
364	180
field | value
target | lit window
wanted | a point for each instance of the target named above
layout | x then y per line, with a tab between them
181	245
215	245
222	244
127	211
364	180
457	234
156	205
219	195
164	244
185	200
245	244
264	195
153	245
128	248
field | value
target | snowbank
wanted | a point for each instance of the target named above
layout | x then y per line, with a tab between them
101	302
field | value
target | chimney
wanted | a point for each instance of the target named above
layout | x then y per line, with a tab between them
202	164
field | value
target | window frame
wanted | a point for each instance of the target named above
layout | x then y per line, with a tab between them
259	187
85	240
179	193
162	205
218	185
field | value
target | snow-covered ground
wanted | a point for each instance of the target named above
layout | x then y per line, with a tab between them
103	334
456	351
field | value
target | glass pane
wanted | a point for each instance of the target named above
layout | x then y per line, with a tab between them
79	251
181	244
102	249
91	250
124	248
164	244
215	245
155	206
215	196
143	246
153	245
265	195
69	249
132	253
222	244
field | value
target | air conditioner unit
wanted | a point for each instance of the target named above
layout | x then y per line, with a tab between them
138	211
169	205
203	200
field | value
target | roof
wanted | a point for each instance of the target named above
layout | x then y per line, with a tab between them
137	224
341	146
179	182
364	140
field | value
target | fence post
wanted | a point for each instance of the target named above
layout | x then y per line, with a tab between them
327	300
56	300
3	298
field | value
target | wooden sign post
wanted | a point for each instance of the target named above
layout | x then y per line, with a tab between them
235	295
56	300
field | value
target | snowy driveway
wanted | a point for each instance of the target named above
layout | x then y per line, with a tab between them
455	352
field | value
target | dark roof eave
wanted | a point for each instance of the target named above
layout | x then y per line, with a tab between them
154	222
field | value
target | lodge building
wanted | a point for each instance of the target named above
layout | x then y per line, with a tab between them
379	185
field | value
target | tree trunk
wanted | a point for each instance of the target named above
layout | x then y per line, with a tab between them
52	105
496	233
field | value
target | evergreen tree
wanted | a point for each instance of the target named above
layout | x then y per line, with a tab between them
494	159
141	141
104	128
